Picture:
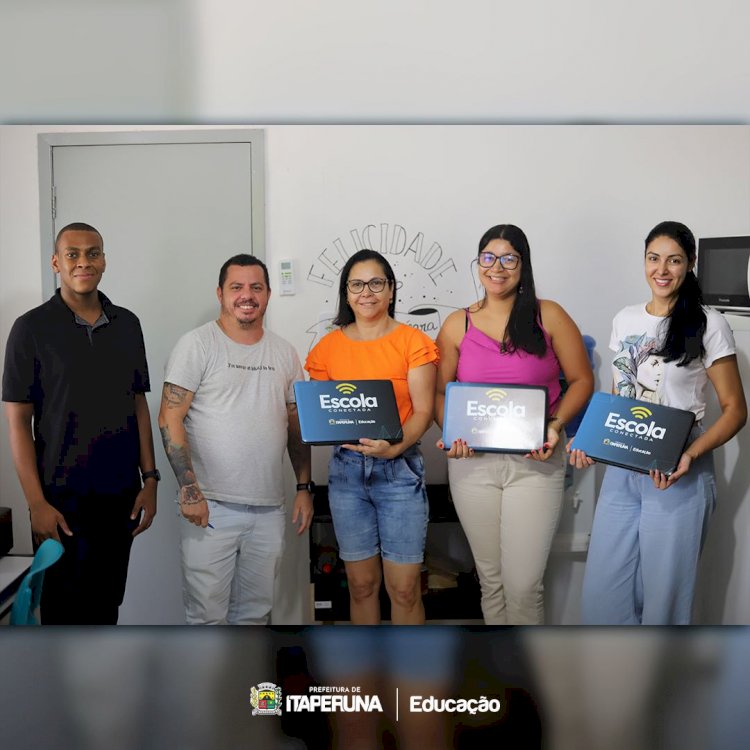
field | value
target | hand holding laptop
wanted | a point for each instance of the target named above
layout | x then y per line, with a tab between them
374	448
546	451
459	449
578	459
662	481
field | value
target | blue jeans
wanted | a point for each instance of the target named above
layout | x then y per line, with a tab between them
378	505
645	544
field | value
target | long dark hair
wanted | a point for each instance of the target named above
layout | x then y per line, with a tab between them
524	331
687	318
344	313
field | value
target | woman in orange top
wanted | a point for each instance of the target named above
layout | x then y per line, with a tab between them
376	489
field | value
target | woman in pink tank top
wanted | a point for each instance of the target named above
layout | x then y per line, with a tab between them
508	504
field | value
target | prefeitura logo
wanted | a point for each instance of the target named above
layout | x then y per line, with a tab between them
265	698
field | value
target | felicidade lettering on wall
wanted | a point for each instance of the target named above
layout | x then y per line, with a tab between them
426	275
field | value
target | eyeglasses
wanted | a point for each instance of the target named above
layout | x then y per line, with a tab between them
356	286
508	262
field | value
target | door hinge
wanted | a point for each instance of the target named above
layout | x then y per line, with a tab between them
54	202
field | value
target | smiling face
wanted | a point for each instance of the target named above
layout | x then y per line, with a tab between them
369	305
495	279
666	266
243	297
79	260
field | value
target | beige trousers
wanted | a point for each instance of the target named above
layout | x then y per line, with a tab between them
509	507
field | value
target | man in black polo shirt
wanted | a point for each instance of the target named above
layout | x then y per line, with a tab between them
75	368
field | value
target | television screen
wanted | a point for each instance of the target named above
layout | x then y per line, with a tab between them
723	271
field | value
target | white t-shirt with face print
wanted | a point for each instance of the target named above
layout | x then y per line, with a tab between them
639	373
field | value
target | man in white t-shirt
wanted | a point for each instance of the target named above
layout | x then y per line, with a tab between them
227	416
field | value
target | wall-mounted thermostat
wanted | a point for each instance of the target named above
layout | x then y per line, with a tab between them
286	274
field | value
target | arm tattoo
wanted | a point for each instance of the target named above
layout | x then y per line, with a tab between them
179	459
190	494
172	396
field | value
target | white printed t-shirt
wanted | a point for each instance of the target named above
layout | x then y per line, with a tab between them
640	374
237	422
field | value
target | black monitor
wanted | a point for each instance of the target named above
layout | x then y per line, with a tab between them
724	272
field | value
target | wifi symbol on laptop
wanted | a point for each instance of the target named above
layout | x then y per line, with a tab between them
346	388
495	394
641	412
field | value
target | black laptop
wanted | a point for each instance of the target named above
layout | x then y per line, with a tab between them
495	417
633	434
333	412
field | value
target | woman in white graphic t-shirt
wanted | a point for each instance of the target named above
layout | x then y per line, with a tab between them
649	529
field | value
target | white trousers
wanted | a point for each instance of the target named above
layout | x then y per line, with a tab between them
509	507
228	571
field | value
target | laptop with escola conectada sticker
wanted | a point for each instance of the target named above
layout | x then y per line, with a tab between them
495	417
333	412
633	434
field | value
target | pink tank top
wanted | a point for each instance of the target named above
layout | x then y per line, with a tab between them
480	361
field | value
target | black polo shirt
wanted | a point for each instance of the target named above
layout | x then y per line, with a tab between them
82	384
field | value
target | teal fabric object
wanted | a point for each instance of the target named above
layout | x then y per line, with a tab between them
30	590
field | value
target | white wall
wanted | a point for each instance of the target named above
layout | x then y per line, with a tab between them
586	197
477	61
389	61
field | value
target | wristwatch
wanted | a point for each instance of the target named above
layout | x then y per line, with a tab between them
151	475
309	486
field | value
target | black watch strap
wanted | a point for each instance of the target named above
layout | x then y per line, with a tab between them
309	486
151	475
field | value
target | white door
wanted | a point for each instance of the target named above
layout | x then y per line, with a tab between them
170	214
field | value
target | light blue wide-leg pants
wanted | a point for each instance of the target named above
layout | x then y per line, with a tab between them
645	544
